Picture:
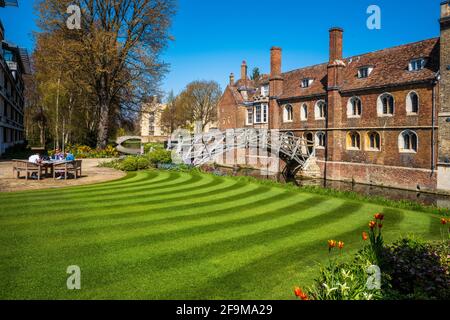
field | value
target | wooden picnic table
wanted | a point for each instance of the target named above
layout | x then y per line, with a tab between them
42	168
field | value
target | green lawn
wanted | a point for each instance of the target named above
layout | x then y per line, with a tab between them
169	235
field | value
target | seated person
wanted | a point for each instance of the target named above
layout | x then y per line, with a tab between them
70	157
58	155
36	159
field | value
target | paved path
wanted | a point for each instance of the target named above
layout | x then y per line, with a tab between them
91	174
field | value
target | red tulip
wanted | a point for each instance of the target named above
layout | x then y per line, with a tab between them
379	216
341	245
372	224
444	221
298	292
365	236
380	226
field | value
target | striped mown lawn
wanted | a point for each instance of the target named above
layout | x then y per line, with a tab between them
170	235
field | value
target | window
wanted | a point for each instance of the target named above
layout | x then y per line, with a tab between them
373	141
417	64
354	107
249	116
412	103
304	112
321	110
353	141
307	82
258	115
288	113
265	91
261	113
364	72
408	141
385	105
320	140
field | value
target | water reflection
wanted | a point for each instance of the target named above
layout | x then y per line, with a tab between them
389	193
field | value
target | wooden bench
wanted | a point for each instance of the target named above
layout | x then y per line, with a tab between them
28	167
68	167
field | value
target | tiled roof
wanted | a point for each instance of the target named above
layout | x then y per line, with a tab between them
390	68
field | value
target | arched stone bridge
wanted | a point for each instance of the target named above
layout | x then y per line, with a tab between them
122	149
202	148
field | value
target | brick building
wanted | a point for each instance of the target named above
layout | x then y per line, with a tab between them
380	118
13	64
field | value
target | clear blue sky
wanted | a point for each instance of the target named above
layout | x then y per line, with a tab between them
212	37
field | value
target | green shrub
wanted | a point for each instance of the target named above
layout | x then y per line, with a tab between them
160	156
129	164
417	270
148	147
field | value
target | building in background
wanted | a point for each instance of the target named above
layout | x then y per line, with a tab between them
14	63
151	128
381	118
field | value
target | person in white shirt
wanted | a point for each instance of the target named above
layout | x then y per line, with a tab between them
35	158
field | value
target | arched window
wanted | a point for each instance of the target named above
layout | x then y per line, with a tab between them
304	112
354	107
288	113
408	141
385	105
321	110
320	140
353	141
373	141
412	103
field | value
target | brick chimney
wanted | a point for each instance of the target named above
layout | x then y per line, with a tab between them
275	87
231	79
244	70
334	114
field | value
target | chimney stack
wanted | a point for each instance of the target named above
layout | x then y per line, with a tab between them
445	9
275	62
336	43
231	79
244	70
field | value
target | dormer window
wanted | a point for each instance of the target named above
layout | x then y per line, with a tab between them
307	82
265	91
364	72
417	64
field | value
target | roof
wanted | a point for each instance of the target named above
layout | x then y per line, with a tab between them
390	69
22	55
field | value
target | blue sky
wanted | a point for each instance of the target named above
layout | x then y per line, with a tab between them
212	37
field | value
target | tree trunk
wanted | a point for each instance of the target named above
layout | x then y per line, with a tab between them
103	126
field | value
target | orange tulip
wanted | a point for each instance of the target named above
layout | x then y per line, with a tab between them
372	224
379	216
304	297
298	292
331	244
365	236
341	245
444	221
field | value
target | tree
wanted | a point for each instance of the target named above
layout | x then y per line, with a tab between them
199	101
174	115
116	50
256	75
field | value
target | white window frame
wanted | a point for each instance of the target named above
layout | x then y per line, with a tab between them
307	82
401	142
249	116
317	110
263	114
304	112
380	107
417	64
364	72
288	116
317	138
409	105
350	113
